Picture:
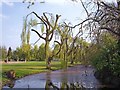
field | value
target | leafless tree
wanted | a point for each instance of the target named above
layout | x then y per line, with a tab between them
50	26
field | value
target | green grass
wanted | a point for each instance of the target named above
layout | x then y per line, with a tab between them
28	68
24	69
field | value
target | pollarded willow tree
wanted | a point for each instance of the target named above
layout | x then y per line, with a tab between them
64	41
69	45
48	26
103	17
47	33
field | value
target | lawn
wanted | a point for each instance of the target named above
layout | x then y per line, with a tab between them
24	69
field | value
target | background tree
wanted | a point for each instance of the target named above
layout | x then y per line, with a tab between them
34	53
25	37
15	55
3	53
9	54
41	52
19	53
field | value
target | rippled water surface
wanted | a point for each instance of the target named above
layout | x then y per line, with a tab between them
74	76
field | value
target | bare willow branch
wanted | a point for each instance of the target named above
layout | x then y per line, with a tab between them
36	41
84	8
59	48
38	33
109	29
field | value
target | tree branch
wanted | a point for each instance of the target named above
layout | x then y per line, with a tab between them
59	48
47	21
109	29
38	34
84	8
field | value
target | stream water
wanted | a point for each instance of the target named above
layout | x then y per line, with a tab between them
74	77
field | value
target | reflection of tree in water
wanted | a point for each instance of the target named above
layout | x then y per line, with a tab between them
49	83
64	81
64	84
71	86
47	86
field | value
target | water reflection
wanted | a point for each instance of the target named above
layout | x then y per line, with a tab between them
64	80
63	86
74	77
67	80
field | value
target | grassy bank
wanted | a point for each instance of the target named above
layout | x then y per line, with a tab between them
24	69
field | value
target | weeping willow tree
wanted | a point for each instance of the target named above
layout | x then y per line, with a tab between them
25	38
48	25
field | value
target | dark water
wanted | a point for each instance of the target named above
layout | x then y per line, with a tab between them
74	77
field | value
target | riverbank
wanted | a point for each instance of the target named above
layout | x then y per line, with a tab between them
25	69
75	77
105	76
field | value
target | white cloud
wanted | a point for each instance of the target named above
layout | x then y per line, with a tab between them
3	16
8	2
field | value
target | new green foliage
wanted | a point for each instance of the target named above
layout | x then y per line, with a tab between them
3	53
25	38
106	54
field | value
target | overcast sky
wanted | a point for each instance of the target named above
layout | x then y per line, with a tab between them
13	11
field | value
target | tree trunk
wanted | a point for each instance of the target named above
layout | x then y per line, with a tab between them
47	55
71	58
25	60
65	59
17	59
65	56
7	60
